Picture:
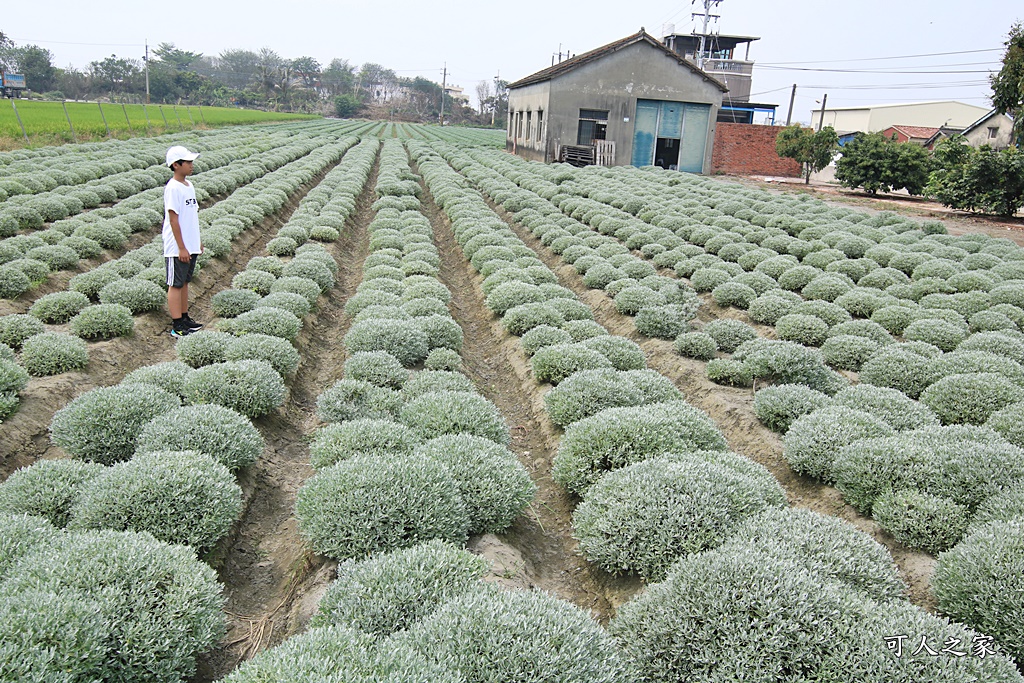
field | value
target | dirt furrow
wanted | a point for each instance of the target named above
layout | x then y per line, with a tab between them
273	582
544	555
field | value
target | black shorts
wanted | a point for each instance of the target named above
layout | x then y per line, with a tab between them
178	272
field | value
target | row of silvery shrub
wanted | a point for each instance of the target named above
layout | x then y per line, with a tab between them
145	471
135	282
935	273
35	255
434	448
661	306
418	606
623	423
421	614
782	368
261	326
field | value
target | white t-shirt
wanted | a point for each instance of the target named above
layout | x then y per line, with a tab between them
181	199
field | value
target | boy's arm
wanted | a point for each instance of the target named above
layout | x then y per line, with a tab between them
183	254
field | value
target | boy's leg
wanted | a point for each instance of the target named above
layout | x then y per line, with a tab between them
184	299
174	302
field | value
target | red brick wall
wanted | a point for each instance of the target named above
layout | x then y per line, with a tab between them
747	149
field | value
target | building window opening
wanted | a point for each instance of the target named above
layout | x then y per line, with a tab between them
593	126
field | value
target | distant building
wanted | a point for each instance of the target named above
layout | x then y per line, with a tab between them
878	117
992	129
918	135
630	102
456	93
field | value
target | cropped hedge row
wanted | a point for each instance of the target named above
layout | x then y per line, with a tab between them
433	449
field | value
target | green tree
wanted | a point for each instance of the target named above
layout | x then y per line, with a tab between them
265	77
338	77
236	68
8	58
347	106
115	73
1008	83
812	150
978	179
875	162
179	59
36	64
307	70
377	82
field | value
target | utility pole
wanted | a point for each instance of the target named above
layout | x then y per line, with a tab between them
821	121
444	84
708	16
145	60
792	97
494	107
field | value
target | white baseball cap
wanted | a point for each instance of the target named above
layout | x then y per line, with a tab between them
179	153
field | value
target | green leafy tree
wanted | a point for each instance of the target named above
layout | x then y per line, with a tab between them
347	106
812	150
73	83
307	70
115	73
338	77
8	58
376	80
978	179
36	64
1008	83
875	162
236	68
179	59
267	74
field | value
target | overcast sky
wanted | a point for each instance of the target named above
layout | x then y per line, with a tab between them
479	39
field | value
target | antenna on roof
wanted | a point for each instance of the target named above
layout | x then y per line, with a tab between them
707	16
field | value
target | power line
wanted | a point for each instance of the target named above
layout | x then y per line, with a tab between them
875	59
63	42
901	86
870	71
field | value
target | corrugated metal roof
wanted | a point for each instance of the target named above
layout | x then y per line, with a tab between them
587	57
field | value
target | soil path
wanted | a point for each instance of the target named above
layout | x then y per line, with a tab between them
273	581
538	550
733	412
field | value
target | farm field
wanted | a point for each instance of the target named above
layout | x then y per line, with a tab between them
720	429
46	122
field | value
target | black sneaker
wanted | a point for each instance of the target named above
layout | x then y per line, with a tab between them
190	324
179	332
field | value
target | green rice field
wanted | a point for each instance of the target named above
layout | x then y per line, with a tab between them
46	122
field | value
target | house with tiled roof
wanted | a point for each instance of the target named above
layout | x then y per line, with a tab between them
915	134
630	102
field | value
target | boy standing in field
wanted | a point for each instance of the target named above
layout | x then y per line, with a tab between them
182	245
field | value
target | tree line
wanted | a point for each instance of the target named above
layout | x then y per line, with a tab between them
259	79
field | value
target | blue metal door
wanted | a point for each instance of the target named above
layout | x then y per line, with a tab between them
646	131
695	136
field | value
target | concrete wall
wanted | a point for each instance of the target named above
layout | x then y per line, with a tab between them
1003	133
612	83
529	141
746	149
